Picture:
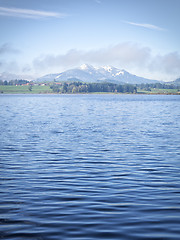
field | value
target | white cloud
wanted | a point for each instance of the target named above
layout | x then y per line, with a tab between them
124	55
168	63
146	25
29	13
121	54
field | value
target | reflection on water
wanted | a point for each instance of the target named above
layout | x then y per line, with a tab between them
90	167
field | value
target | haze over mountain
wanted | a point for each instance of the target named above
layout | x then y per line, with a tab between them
176	82
88	73
6	76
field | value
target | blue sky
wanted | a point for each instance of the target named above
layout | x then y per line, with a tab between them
50	36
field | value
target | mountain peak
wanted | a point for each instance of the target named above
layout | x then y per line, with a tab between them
85	66
107	68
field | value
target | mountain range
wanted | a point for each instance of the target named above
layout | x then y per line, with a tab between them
89	74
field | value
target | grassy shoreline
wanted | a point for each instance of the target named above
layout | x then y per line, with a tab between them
20	89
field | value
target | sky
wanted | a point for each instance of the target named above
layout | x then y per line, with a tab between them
51	36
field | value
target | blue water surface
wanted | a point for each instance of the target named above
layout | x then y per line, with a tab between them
89	167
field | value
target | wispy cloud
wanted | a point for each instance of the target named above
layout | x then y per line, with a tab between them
29	13
98	1
146	25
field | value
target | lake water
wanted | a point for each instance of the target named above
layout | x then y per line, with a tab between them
89	167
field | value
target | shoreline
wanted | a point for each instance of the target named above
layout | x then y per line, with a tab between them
92	93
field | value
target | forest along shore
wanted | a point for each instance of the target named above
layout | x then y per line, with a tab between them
26	87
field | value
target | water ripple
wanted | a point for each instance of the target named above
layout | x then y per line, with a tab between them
90	167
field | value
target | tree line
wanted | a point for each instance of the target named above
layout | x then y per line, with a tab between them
147	86
79	87
14	82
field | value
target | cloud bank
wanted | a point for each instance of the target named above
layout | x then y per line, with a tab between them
129	56
29	13
121	54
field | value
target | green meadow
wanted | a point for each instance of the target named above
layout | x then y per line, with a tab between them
45	89
21	89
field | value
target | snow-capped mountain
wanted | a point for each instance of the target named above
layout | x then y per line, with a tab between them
88	73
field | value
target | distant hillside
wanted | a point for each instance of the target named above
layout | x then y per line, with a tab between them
89	74
175	82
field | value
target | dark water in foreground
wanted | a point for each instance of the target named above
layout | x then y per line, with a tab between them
90	167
